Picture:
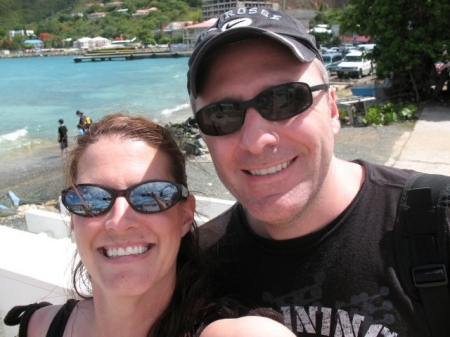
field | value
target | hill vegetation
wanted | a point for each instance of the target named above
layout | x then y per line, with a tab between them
57	22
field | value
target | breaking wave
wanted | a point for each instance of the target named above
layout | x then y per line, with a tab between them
10	137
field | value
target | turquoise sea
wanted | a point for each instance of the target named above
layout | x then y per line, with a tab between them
36	92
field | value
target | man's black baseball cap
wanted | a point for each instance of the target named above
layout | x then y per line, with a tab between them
245	23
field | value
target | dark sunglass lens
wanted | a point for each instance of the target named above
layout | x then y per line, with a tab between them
284	101
154	196
88	200
220	118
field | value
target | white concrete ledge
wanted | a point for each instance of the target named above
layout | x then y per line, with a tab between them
53	224
33	268
208	208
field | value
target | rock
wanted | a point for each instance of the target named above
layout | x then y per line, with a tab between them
51	203
5	211
190	148
200	143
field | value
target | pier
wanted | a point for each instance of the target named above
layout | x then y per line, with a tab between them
128	56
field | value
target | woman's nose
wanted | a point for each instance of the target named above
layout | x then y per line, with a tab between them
121	217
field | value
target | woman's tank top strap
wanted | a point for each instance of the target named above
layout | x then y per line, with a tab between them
59	323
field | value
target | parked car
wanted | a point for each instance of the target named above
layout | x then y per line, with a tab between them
354	65
332	60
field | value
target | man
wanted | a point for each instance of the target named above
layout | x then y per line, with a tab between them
311	235
62	138
84	122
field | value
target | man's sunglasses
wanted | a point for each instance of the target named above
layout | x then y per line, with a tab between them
277	103
152	196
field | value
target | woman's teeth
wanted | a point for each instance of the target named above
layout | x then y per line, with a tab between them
117	252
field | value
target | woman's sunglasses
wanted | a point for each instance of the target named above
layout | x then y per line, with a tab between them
153	196
277	103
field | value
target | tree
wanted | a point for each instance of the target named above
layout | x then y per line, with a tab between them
410	36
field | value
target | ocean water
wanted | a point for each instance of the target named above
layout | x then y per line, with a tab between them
36	92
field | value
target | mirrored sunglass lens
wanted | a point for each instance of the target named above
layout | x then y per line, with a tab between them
154	196
88	200
220	118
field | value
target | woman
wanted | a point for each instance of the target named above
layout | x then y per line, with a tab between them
133	222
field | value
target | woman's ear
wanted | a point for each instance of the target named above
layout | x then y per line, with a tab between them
188	209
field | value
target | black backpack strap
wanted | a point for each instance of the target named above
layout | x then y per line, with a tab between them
21	314
421	238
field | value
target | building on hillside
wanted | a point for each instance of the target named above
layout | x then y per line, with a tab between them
83	43
100	42
115	3
96	15
175	28
192	32
213	8
355	40
13	33
142	12
101	4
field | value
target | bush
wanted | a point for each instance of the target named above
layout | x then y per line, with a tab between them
386	113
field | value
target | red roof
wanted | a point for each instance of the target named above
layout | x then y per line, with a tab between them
356	39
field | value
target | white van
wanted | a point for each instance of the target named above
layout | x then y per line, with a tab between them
354	65
366	47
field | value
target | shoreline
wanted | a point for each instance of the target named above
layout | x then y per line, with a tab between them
37	178
83	52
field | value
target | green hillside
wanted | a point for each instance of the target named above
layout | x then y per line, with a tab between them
15	13
59	21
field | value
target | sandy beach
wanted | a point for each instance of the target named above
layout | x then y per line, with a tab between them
36	176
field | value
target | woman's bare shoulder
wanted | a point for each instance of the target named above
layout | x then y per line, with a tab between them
41	319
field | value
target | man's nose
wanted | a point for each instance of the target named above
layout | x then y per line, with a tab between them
257	132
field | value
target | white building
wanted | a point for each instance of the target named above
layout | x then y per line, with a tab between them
96	15
13	33
89	43
99	42
142	12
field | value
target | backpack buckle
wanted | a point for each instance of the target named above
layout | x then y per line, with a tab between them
430	275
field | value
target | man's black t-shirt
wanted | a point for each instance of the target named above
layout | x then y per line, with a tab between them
62	134
338	281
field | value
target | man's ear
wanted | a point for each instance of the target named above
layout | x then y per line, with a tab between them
334	111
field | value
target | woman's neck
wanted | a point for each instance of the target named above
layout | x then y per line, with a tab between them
109	316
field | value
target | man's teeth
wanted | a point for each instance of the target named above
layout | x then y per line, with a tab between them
135	250
270	170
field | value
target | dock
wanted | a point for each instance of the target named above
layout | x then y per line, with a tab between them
128	56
